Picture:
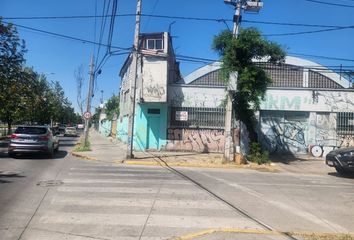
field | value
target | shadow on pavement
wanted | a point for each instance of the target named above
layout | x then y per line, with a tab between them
40	156
6	175
347	175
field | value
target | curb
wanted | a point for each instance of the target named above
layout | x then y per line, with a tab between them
202	165
76	154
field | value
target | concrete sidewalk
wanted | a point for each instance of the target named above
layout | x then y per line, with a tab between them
110	150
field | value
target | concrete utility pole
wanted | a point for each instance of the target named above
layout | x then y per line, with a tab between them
133	81
88	101
254	6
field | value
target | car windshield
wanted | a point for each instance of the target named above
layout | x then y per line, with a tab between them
31	130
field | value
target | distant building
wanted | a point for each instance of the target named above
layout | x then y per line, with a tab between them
306	105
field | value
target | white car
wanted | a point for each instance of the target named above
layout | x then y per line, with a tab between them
70	131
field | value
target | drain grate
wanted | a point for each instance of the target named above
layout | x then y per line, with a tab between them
50	183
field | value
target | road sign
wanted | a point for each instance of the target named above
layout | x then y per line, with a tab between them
87	115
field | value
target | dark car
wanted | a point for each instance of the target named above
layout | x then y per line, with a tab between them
342	159
28	139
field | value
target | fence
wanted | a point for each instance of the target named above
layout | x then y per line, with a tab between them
345	123
197	117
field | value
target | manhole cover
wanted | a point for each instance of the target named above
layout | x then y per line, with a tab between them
50	183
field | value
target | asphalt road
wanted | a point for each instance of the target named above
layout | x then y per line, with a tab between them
69	198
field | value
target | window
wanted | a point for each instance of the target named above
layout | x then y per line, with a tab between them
156	44
345	122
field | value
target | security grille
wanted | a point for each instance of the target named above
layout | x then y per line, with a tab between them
345	123
198	117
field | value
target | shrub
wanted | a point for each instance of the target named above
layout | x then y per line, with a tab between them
257	155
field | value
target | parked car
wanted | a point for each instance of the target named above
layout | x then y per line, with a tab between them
342	159
61	128
28	139
80	127
70	131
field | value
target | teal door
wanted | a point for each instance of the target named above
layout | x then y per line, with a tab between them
153	132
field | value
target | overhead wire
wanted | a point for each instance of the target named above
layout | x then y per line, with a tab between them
65	36
173	17
331	4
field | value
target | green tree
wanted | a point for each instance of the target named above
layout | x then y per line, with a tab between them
12	51
238	55
112	107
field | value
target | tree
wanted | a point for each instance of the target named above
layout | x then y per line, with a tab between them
112	107
12	51
238	55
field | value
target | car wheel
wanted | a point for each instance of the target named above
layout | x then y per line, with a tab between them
51	152
12	155
341	171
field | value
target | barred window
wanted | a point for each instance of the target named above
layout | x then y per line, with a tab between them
345	123
198	117
212	78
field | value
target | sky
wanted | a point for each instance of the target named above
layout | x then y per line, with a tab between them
58	58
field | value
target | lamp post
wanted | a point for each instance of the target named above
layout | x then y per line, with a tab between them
250	6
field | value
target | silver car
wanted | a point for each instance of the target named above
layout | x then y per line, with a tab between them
28	139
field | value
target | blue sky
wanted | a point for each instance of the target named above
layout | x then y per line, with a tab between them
59	58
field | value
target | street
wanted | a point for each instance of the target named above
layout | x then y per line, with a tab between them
70	198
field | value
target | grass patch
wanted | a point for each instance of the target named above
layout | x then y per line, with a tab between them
82	147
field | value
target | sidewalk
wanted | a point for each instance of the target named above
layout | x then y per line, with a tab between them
106	149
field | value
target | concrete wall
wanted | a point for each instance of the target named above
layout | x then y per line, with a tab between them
195	96
105	127
196	140
154	79
308	100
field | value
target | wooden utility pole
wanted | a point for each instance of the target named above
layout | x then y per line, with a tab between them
133	81
88	101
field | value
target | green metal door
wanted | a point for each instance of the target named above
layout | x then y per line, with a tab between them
153	133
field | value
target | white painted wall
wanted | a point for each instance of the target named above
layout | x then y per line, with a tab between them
154	79
308	100
195	96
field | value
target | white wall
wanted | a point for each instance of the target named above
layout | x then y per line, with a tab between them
154	79
308	100
195	96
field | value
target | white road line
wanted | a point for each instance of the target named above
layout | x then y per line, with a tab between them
191	191
147	181
137	202
139	220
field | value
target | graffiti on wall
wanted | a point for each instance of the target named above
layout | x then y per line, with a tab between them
287	136
273	102
198	140
338	101
195	99
155	90
346	140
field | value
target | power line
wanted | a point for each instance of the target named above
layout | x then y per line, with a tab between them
181	56
174	17
331	4
308	32
65	36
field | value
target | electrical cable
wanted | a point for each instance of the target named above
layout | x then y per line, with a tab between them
174	17
307	32
65	36
331	4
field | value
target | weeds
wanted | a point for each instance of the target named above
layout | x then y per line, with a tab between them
256	155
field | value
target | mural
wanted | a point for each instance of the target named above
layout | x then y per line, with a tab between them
346	140
279	135
198	140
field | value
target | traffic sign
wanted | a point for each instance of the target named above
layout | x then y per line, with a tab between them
87	115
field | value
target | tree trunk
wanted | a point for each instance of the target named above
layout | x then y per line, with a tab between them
9	126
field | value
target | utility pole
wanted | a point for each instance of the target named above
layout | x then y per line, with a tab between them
253	6
88	101
133	82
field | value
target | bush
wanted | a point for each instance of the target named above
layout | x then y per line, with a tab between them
82	147
256	155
